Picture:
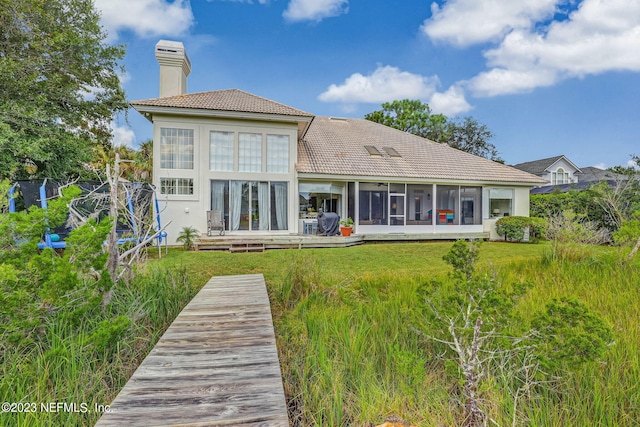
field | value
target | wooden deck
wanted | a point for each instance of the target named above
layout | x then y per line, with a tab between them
216	365
259	243
244	243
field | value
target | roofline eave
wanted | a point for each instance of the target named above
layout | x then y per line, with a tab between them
146	110
563	157
416	180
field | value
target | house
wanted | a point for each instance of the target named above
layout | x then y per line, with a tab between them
563	175
556	170
269	168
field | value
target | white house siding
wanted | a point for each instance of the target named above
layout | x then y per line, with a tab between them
190	210
561	166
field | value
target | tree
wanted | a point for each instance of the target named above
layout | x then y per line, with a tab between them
59	86
416	117
473	323
139	165
473	137
411	116
630	170
623	204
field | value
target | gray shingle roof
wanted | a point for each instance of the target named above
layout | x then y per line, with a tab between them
593	174
337	147
224	100
538	167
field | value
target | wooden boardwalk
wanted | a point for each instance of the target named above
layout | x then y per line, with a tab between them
216	365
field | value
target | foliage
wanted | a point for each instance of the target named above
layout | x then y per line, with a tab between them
90	360
188	236
469	135
570	227
347	222
620	202
569	334
469	315
415	117
349	354
138	166
412	116
630	170
474	316
628	232
36	285
59	87
602	204
582	202
463	257
516	228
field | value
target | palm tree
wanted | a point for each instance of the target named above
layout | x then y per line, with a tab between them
187	237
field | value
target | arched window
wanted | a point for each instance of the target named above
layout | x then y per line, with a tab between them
559	177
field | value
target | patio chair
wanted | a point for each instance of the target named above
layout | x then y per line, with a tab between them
215	222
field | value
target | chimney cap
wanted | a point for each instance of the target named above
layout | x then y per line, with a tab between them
175	49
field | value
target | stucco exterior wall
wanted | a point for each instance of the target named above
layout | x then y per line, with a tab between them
521	201
190	210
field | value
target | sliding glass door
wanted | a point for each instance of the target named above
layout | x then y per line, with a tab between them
251	205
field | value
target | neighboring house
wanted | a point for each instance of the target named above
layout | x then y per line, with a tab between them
563	175
556	170
269	168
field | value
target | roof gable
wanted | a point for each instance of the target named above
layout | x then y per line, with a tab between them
543	166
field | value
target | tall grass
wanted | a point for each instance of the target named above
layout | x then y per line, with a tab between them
344	321
350	355
87	364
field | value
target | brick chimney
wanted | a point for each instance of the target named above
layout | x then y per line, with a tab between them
175	67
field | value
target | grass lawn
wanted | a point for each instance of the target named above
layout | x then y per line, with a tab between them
343	264
350	355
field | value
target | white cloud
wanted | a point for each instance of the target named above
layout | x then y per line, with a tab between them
314	10
242	1
598	36
146	18
466	22
386	83
122	135
389	83
502	81
450	103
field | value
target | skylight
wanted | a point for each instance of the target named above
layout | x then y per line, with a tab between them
391	152
373	150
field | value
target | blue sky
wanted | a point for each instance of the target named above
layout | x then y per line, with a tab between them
547	77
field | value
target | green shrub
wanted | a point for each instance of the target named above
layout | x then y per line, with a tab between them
628	232
583	202
517	228
568	333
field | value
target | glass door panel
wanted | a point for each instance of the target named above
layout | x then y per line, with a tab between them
396	209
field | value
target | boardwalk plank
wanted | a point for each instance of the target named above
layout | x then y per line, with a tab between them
216	365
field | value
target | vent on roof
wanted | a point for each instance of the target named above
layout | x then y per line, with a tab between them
338	119
373	150
391	152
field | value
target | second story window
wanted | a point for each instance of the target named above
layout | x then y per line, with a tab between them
221	151
250	152
176	148
560	177
278	153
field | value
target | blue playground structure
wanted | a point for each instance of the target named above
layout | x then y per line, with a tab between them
139	198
